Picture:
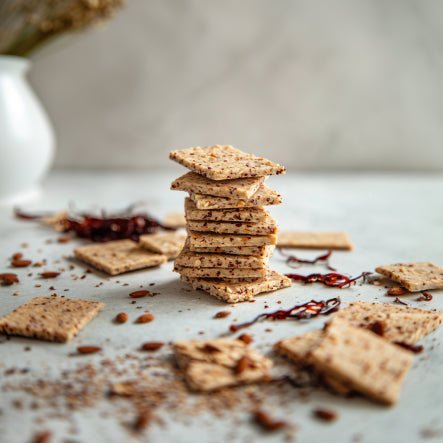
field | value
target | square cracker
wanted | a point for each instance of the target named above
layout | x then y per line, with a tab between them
414	276
267	226
175	220
225	163
116	257
238	188
248	215
206	240
265	196
362	360
166	243
220	272
237	292
209	365
401	324
195	259
314	240
55	319
258	251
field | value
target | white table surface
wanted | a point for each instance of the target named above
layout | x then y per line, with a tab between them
390	218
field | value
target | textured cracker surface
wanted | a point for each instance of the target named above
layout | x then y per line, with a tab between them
116	257
414	276
258	251
238	188
206	240
220	272
166	243
232	293
50	318
213	364
264	196
225	163
314	240
248	215
362	360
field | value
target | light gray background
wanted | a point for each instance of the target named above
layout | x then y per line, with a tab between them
330	85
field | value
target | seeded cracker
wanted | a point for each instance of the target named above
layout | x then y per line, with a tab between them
362	360
401	324
166	243
264	196
116	257
197	240
225	163
220	272
50	318
239	188
259	251
267	226
248	215
414	276
314	240
209	365
192	259
175	220
233	293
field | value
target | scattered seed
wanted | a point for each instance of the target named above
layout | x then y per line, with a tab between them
136	294
49	274
268	423
397	290
325	414
145	318
17	256
246	338
152	345
42	437
88	349
20	263
122	317
222	314
8	279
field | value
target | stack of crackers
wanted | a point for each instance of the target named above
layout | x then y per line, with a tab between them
230	236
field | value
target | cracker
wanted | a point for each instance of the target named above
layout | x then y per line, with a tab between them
233	293
198	240
116	257
258	251
248	215
238	188
194	259
401	324
414	276
166	243
225	163
175	220
209	365
362	360
55	319
267	226
220	272
264	196
314	240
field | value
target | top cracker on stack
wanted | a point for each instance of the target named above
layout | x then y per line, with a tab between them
230	235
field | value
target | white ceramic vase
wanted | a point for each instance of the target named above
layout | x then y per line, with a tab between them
26	135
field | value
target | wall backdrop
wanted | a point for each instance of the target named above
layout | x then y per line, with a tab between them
317	85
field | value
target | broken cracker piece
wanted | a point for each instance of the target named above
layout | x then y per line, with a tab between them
50	318
314	240
209	365
166	243
225	163
175	220
116	257
414	276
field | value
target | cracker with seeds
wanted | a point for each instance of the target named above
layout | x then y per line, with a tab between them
414	276
206	240
209	365
55	319
258	251
167	243
220	272
362	360
264	196
248	215
395	323
175	220
116	257
238	188
267	226
225	163
193	259
314	240
233	293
